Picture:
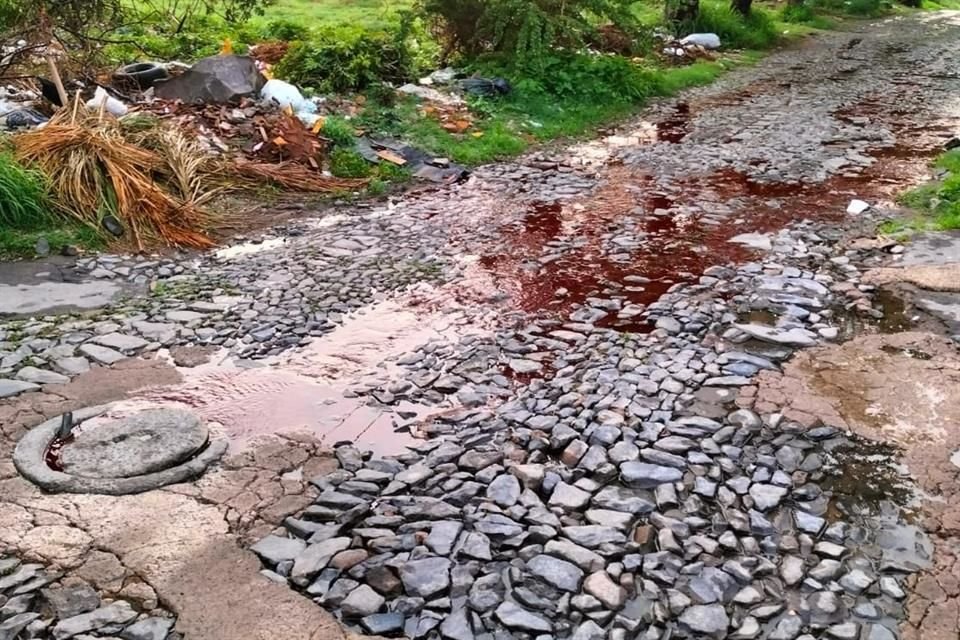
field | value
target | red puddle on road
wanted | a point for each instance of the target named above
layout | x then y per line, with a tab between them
677	126
679	247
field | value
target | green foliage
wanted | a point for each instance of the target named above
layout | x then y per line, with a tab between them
587	77
938	203
23	196
285	30
529	30
339	131
803	14
16	244
756	31
869	8
347	163
348	59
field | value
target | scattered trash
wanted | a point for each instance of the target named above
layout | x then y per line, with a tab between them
708	41
141	75
42	247
287	96
421	165
23	118
431	95
103	100
486	87
270	53
440	76
215	80
856	207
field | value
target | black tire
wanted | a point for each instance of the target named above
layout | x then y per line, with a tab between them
142	75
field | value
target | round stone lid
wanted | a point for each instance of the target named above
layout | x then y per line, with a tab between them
144	442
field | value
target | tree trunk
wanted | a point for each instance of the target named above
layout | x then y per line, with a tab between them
681	14
741	6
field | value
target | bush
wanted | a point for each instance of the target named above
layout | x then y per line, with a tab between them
338	131
590	78
347	163
340	59
530	30
23	196
796	13
756	31
285	30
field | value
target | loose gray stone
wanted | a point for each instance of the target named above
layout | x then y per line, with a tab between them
148	629
559	573
515	617
362	601
505	490
427	577
41	376
119	612
276	549
647	476
10	388
707	620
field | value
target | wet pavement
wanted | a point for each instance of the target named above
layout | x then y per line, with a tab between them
560	394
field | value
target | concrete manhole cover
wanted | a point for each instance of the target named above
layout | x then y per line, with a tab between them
131	453
145	442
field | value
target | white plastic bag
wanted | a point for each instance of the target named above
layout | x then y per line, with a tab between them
113	106
705	40
282	93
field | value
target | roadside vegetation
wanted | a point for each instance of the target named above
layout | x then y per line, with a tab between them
936	204
570	66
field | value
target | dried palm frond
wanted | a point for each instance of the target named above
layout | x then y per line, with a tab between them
296	176
89	162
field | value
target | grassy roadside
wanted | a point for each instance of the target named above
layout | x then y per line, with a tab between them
935	205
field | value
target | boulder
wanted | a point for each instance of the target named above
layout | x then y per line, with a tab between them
214	80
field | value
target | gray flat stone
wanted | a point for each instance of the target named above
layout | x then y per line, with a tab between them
427	577
119	612
121	342
276	549
515	617
145	442
707	620
10	388
643	475
558	573
41	376
149	629
102	355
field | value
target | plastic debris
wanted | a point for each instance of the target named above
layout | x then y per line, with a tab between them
856	207
102	99
705	40
486	87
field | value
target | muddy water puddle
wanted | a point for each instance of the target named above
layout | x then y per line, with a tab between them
311	391
892	315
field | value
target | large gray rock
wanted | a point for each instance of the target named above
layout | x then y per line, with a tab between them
67	602
315	558
706	621
559	573
505	490
425	578
148	629
41	376
119	612
9	388
643	475
214	80
515	617
362	601
276	549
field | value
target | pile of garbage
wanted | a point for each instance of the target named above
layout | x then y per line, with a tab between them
695	46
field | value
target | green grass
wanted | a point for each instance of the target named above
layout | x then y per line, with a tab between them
514	123
17	244
936	205
317	13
